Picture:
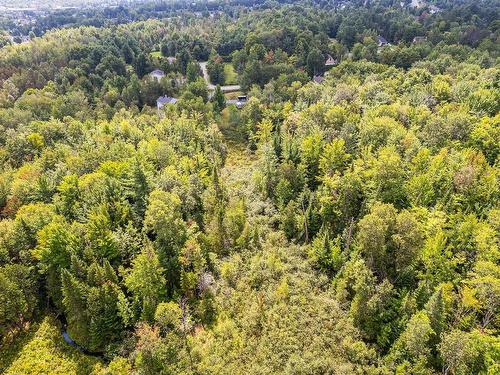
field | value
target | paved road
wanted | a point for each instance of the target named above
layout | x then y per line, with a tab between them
227	88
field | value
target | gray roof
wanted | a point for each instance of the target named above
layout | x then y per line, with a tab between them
157	73
381	40
239	103
162	100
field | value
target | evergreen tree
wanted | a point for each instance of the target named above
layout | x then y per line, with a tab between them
75	295
146	282
105	324
139	189
17	296
54	252
218	100
436	311
141	65
192	71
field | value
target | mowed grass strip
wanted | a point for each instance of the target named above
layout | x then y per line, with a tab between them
230	75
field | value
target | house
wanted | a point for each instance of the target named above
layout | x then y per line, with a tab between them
242	99
157	74
239	102
330	61
171	59
381	41
162	100
318	79
419	39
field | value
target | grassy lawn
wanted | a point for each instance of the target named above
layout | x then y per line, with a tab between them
156	54
233	95
230	74
42	350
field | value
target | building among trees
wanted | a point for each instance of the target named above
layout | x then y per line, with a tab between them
157	74
163	100
330	61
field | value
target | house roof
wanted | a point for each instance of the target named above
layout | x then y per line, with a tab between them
239	103
162	100
330	61
157	73
318	79
381	40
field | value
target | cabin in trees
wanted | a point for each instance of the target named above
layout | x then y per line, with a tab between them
381	41
239	102
318	79
330	61
162	100
157	74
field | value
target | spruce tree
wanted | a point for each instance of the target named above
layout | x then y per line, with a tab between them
218	100
75	307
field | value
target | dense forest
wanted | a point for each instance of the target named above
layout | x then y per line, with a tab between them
248	187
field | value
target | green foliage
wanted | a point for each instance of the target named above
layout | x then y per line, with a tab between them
146	283
92	306
413	344
168	315
326	253
17	296
218	100
464	352
46	352
348	226
215	69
